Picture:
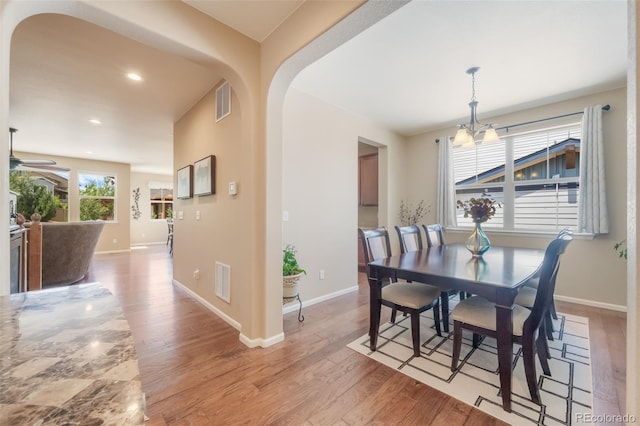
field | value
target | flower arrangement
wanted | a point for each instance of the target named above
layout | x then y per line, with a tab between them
479	209
290	263
409	216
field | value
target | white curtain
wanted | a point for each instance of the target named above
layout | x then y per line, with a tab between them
592	217
446	211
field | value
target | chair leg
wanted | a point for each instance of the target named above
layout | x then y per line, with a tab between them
542	348
394	312
457	343
554	314
415	332
444	306
548	325
529	358
436	318
476	340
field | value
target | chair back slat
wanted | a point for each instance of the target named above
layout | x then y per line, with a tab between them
375	244
410	238
435	235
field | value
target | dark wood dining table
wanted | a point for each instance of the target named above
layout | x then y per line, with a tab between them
497	276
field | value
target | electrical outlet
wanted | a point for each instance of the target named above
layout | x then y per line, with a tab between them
115	241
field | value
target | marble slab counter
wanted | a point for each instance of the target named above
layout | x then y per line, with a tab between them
67	359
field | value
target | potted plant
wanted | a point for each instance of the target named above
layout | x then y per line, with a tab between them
291	272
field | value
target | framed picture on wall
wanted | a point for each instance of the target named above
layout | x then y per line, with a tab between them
185	178
204	176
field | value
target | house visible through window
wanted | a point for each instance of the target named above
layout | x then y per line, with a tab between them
161	202
97	196
535	176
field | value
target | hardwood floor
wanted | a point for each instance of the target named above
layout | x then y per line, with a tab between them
195	371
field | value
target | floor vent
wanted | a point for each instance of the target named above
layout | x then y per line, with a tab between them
223	282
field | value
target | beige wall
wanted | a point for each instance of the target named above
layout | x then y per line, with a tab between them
591	271
145	230
224	232
115	235
320	189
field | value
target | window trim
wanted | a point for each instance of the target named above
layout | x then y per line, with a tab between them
114	197
509	185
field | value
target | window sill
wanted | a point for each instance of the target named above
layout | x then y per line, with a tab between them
520	233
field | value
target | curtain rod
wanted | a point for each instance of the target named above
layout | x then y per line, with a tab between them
604	108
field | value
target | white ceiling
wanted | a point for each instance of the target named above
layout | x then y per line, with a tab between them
407	72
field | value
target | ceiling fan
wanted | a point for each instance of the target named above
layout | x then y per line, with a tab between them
16	163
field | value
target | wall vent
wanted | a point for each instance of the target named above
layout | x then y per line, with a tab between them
223	101
223	282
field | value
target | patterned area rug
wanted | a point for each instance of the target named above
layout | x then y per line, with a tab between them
566	397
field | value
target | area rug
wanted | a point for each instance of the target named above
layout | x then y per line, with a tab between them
566	397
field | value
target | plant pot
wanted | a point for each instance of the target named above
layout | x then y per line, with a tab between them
290	285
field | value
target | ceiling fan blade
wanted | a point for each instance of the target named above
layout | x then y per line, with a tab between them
47	167
17	164
36	163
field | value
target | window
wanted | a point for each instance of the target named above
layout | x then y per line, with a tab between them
161	202
534	175
97	196
41	191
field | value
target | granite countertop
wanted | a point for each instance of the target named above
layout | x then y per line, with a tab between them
68	358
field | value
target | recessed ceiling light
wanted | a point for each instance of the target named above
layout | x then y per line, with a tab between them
95	121
88	152
133	76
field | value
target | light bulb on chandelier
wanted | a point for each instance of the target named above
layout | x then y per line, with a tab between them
467	134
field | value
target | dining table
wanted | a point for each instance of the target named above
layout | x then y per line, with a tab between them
497	276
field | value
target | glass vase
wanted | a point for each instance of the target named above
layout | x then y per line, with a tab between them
478	242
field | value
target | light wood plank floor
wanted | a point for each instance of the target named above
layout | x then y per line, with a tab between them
195	371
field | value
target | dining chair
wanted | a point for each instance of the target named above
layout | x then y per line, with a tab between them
408	297
478	315
435	238
527	295
410	238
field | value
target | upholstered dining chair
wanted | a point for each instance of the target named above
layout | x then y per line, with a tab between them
410	238
408	297
435	238
527	295
478	315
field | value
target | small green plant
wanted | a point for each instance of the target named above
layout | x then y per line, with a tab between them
290	263
621	248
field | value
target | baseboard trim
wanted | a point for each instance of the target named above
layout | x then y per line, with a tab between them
226	318
156	243
263	343
591	303
294	306
113	251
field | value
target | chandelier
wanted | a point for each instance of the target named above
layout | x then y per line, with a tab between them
467	134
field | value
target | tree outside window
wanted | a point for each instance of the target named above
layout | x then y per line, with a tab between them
41	192
97	196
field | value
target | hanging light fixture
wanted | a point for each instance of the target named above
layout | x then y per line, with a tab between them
467	133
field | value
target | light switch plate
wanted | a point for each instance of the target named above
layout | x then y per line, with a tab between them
233	188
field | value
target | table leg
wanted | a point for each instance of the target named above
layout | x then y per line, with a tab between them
504	342
375	290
